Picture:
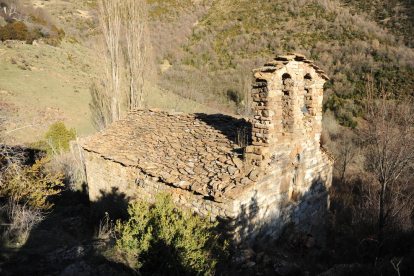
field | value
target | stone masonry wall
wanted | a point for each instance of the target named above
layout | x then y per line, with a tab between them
261	212
115	185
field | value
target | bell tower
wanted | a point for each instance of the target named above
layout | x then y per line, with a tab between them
287	107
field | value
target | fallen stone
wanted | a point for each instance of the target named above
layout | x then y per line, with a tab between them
266	260
254	175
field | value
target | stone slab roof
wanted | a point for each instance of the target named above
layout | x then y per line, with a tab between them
196	152
280	61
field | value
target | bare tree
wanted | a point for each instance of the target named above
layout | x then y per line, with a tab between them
111	23
9	10
126	54
245	82
346	151
137	50
100	106
389	138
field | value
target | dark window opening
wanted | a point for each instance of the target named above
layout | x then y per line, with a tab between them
286	76
287	81
294	194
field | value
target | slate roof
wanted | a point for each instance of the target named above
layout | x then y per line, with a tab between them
280	61
196	152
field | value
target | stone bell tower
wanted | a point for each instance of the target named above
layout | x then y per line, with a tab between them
287	104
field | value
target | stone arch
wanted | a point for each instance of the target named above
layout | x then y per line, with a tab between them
287	82
287	98
308	95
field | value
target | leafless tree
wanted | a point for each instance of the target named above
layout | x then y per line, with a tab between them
389	145
126	53
9	10
100	106
137	50
111	23
346	151
245	82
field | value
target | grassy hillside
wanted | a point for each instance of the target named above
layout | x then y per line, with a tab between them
44	83
205	51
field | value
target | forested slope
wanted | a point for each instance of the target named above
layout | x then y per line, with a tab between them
213	45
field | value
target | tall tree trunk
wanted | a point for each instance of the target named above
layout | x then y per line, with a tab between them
111	23
137	41
381	216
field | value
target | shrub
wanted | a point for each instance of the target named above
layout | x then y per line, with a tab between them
58	138
30	185
4	33
24	190
164	240
18	30
71	166
22	219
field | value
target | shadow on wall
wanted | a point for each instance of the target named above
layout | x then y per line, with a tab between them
114	203
256	225
236	130
65	242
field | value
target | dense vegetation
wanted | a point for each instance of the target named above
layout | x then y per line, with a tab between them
396	15
27	24
214	52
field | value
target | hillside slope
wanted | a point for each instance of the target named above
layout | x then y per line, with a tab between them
342	39
205	51
42	84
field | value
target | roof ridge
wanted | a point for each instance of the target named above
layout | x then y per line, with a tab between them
281	60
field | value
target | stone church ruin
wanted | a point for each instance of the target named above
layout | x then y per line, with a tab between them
254	176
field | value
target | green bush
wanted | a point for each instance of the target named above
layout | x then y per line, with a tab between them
58	138
30	185
18	30
4	33
15	31
163	240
